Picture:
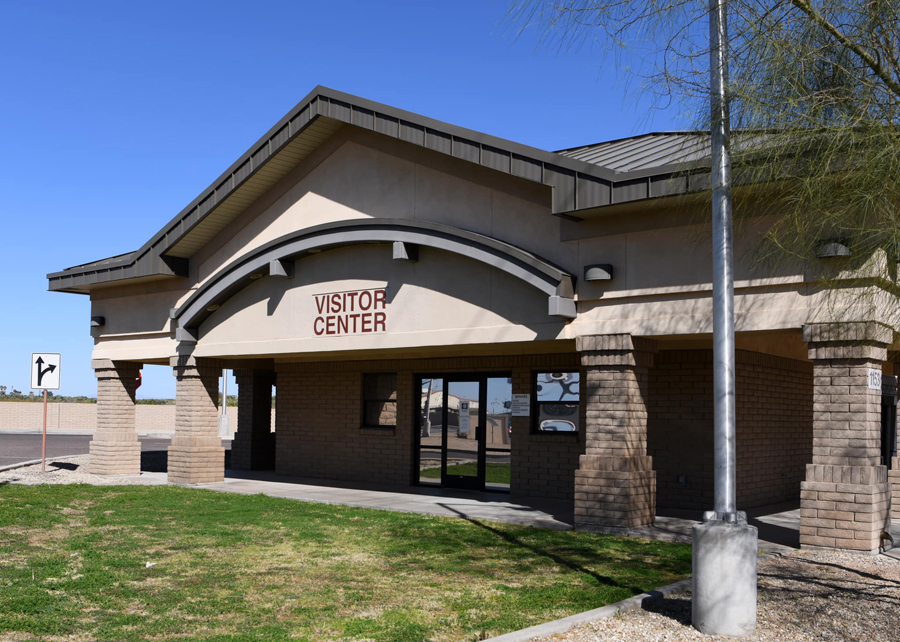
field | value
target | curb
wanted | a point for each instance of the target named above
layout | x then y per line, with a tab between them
641	601
32	462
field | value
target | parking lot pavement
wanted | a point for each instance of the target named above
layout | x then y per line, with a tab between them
16	448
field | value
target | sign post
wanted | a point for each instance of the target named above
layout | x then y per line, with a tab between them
45	376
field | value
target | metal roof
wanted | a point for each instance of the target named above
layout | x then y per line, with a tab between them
579	184
112	260
647	151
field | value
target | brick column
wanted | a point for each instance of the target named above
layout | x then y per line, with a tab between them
115	449
845	500
196	455
253	447
615	485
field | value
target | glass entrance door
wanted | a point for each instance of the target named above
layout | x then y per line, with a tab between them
463	461
431	430
498	433
464	431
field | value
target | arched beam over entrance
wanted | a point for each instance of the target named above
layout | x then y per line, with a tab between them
276	258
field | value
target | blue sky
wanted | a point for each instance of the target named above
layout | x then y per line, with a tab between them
115	115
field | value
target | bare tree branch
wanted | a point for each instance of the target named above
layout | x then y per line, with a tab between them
866	56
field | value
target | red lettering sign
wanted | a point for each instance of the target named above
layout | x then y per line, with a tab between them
346	313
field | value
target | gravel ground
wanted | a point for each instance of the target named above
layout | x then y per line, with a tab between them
73	470
807	595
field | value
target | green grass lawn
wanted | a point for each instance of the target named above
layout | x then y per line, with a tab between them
493	473
232	567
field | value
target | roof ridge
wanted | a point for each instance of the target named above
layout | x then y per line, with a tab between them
661	132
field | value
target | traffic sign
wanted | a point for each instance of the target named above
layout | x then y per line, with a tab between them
45	371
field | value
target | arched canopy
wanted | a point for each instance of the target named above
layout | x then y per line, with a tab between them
276	259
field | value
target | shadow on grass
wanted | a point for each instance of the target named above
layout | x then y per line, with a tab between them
573	565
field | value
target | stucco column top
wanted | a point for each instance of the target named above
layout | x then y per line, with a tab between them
616	350
856	332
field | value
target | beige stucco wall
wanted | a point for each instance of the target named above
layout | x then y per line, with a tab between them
662	265
358	174
444	299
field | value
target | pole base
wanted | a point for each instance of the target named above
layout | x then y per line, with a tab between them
724	581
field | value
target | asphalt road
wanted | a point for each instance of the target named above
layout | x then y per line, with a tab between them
17	448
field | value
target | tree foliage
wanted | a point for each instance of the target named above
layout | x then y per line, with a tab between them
11	394
815	109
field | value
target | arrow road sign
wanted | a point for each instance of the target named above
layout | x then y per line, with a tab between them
45	371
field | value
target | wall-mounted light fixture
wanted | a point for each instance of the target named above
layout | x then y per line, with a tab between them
406	251
98	322
281	268
598	272
832	249
213	307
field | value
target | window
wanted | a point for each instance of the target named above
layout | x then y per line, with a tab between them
379	400
556	401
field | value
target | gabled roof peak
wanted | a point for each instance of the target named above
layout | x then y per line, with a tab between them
578	182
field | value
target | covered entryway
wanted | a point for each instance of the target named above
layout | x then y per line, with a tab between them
464	431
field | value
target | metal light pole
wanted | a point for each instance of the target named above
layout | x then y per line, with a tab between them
723	267
224	427
725	546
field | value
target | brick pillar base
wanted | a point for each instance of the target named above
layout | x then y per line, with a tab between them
844	507
613	493
615	485
196	455
253	447
114	449
846	499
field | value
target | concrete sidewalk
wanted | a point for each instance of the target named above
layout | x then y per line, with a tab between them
779	525
496	507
